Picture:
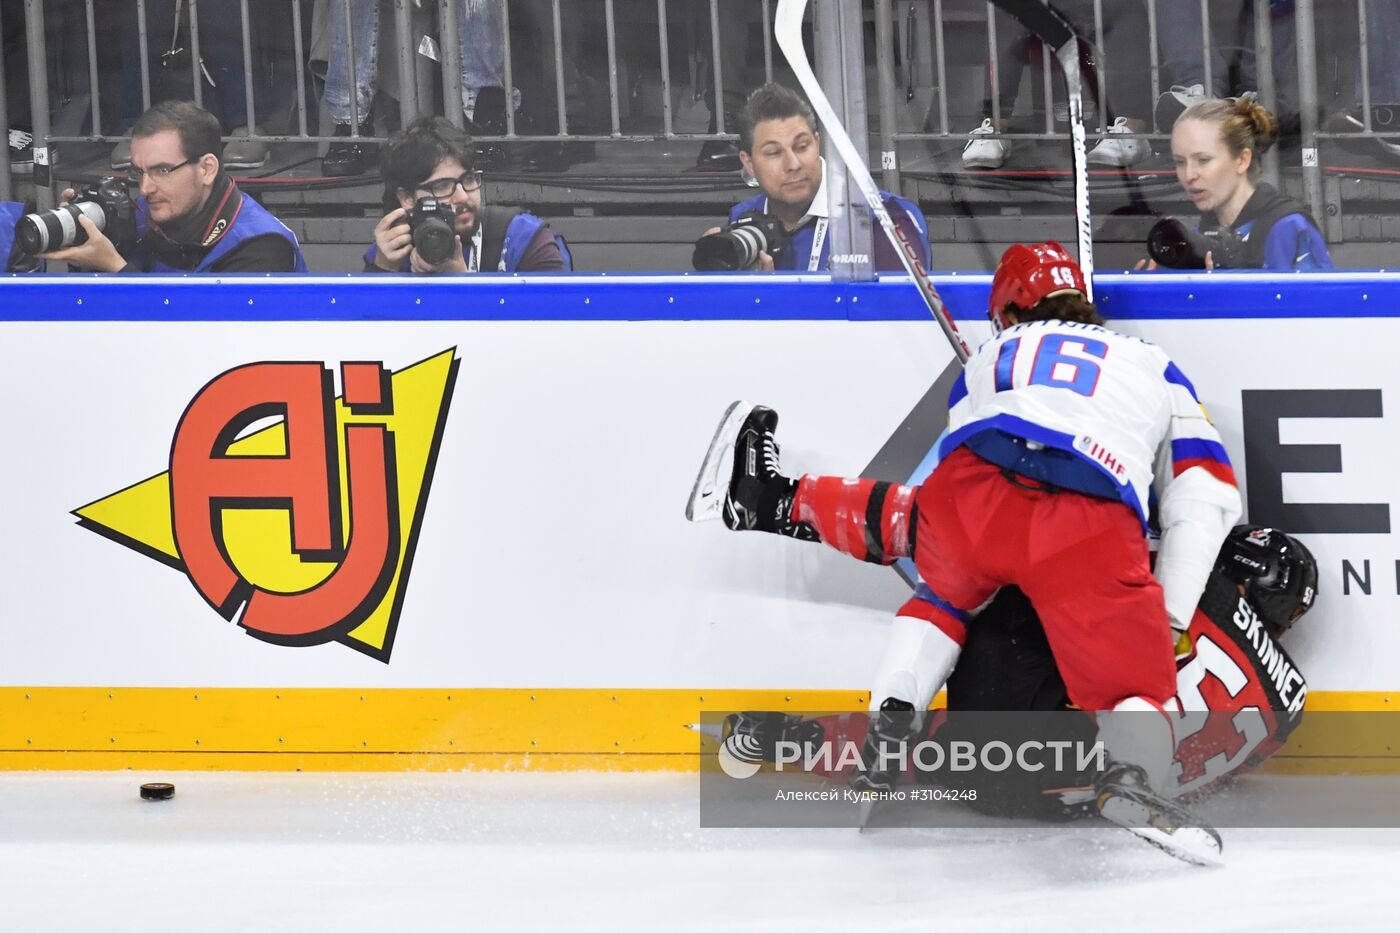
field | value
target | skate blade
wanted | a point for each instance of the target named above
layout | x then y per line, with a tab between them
706	500
867	810
1198	845
1190	844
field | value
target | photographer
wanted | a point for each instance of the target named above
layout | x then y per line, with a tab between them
440	224
190	216
1245	224
13	257
780	147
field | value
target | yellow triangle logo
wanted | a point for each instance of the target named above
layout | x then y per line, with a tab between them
258	540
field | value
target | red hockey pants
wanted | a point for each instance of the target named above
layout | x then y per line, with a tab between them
1081	560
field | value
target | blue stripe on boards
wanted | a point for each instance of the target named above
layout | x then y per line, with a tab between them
692	297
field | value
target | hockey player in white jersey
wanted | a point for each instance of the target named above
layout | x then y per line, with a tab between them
1058	428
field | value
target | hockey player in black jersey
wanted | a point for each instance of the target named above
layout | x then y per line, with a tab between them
1228	660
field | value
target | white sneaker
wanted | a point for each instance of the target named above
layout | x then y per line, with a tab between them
1119	148
245	153
983	149
1173	103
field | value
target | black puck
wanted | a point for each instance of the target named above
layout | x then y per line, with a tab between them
157	791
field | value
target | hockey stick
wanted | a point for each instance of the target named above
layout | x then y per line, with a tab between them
787	30
1051	27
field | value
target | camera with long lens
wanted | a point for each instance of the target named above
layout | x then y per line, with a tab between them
107	204
433	222
737	246
1174	245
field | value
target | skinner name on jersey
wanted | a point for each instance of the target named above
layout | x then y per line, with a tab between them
1286	679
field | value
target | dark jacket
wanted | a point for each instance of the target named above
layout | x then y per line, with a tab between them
1277	233
231	233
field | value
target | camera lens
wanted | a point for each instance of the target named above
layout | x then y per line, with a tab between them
57	229
434	240
729	250
1175	246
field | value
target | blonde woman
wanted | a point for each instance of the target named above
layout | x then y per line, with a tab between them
1216	146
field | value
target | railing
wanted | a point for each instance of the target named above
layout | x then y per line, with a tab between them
913	32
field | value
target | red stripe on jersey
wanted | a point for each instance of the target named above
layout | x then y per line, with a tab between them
1221	471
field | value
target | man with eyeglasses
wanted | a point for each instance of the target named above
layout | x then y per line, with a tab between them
190	216
431	158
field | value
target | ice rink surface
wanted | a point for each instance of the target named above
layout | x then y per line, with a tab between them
619	852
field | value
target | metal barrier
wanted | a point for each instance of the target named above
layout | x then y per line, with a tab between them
416	94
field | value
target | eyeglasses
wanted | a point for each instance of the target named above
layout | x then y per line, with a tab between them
443	187
157	172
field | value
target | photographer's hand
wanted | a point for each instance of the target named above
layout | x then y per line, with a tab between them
1145	265
393	240
454	263
98	254
1210	262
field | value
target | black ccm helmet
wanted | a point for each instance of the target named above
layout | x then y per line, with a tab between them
1278	573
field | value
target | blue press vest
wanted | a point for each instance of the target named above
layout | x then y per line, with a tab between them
519	232
253	220
10	213
1292	243
799	249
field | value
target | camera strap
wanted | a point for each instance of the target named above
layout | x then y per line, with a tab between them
170	56
814	261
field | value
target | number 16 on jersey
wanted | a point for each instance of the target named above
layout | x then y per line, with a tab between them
1062	361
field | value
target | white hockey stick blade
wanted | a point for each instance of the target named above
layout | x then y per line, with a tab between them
1198	845
713	731
787	31
712	482
1068	55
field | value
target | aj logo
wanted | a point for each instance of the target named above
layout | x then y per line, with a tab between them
293	511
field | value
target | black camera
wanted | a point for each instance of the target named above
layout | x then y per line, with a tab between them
107	204
737	246
1174	245
433	223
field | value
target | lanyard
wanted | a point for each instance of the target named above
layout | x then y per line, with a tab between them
474	263
814	261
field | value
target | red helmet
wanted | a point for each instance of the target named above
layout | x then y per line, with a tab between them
1027	274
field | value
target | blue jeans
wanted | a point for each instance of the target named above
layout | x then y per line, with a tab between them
1382	25
479	33
1179	33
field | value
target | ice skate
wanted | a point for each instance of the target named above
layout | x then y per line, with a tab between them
739	479
881	756
1125	798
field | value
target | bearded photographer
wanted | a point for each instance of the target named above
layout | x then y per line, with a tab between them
440	224
1245	223
787	224
189	216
